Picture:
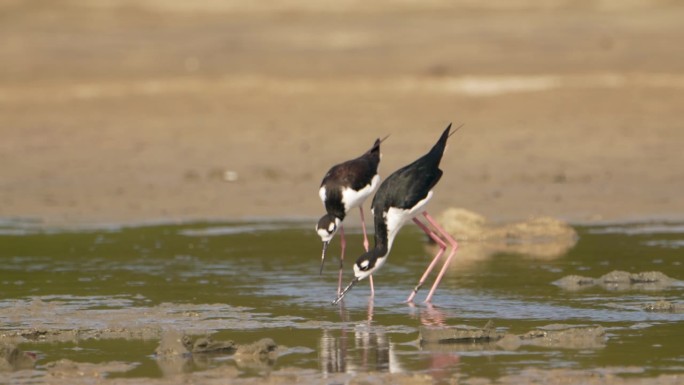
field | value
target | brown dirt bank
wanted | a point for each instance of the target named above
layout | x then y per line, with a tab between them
134	111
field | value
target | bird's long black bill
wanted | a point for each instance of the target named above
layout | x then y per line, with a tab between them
346	289
325	247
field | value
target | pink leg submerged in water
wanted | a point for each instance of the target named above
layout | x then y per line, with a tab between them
442	247
343	247
366	246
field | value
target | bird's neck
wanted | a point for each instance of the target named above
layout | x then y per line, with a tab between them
333	204
383	238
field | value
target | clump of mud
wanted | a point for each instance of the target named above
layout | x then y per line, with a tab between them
460	334
663	306
175	343
467	225
553	336
209	346
566	336
539	238
619	281
260	354
178	352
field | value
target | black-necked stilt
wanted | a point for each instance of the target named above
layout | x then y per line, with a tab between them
400	198
344	187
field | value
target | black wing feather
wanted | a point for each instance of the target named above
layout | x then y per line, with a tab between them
412	183
356	173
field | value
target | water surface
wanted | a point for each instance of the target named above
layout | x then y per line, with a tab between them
245	281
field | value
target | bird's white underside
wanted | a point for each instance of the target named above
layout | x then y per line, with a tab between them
396	218
352	198
322	194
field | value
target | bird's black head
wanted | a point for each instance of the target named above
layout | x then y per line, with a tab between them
326	228
364	266
367	263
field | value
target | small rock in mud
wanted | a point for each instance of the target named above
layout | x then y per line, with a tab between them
663	306
459	334
11	358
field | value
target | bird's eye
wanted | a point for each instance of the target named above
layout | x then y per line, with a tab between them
364	265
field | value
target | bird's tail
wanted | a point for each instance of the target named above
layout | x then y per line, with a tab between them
376	145
438	149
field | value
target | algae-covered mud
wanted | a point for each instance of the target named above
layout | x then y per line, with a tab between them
244	303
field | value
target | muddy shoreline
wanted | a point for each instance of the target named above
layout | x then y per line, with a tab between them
191	348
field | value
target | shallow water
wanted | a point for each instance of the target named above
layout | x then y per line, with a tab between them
246	281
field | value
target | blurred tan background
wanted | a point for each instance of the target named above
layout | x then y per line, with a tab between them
133	111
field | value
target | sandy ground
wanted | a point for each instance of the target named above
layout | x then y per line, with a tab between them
134	111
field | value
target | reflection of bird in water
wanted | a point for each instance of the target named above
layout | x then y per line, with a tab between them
369	349
400	198
430	315
442	361
344	187
332	352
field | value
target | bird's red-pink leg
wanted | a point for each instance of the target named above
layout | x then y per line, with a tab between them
442	247
363	226
343	246
454	246
365	246
370	280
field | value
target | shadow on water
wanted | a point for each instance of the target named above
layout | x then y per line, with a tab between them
103	295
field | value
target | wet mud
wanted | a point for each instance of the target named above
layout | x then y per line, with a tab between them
180	353
619	281
603	376
664	307
487	337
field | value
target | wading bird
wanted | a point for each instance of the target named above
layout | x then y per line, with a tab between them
344	187
400	198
